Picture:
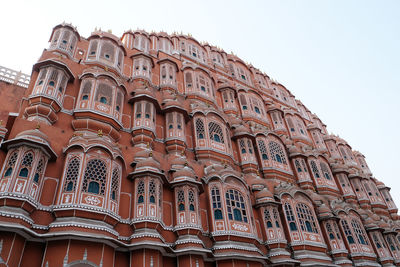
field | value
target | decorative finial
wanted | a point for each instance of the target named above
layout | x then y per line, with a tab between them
183	153
100	133
37	126
186	164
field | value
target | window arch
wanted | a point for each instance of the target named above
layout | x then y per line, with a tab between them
26	165
115	184
361	237
181	200
314	169
347	231
263	149
325	170
215	132
290	217
94	180
306	218
39	171
152	192
216	203
277	153
10	164
191	201
140	192
236	206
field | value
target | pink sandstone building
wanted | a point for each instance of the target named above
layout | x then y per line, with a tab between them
157	150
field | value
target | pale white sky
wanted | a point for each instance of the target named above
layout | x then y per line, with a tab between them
340	58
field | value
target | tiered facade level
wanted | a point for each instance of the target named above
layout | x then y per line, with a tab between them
157	150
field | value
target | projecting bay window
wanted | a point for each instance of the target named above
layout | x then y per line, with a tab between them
51	83
106	52
64	39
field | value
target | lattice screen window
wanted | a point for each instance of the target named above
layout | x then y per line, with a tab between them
115	184
267	218
200	129
39	171
216	203
291	125
290	217
152	191
71	175
314	169
55	37
53	78
93	48
242	146
336	227
104	93
108	51
367	188
26	165
138	114
189	80
119	101
243	101
94	179
347	231
215	132
330	231
86	90
304	165
181	200
276	152
10	164
140	192
236	206
42	76
276	217
263	149
361	237
377	243
65	39
297	165
306	218
325	170
191	201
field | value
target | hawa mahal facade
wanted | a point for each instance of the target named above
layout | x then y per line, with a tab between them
157	150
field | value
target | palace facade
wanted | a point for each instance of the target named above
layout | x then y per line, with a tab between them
157	150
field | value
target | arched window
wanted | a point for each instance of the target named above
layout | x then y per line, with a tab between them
297	165
330	231
314	169
377	243
86	89
189	81
10	164
94	179
243	101
306	218
263	149
140	192
276	217
181	200
93	48
104	93
39	171
26	165
291	125
71	175
152	192
361	237
242	146
115	184
236	206
290	217
267	217
325	170
191	201
108	51
200	129
276	152
216	132
393	246
347	231
216	203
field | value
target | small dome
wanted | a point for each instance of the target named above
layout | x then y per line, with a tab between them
264	196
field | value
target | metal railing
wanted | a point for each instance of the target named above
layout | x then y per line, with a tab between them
14	77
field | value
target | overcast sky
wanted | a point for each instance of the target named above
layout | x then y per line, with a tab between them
340	58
